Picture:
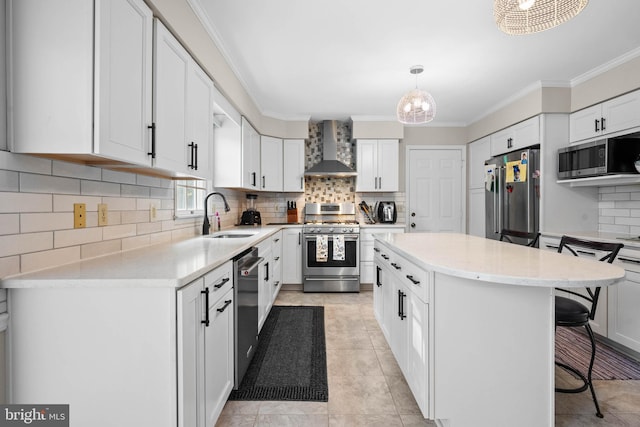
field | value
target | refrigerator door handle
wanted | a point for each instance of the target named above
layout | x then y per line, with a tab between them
499	199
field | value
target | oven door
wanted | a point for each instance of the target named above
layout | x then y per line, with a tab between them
347	267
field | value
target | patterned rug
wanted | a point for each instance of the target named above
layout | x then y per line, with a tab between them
574	348
290	362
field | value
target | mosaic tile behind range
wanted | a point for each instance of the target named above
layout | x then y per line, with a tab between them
329	189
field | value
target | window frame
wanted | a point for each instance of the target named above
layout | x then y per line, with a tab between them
199	185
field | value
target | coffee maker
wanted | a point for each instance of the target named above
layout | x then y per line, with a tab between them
251	216
387	212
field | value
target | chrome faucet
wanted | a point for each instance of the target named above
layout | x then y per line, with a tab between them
205	224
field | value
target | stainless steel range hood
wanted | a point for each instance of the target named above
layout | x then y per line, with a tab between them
330	165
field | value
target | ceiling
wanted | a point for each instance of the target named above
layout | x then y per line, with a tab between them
334	59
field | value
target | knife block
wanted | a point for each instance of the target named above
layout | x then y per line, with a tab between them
292	215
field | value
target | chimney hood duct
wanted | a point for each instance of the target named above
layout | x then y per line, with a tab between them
330	165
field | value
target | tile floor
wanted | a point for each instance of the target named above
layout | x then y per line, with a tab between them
366	387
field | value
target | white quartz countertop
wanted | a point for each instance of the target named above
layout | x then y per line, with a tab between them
489	260
172	264
382	225
630	242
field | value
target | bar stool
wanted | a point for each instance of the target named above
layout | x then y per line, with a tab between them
572	314
508	235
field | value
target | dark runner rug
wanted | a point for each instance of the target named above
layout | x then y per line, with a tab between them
290	362
574	348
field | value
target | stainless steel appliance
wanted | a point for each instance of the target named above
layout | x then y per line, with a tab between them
603	157
512	199
251	216
245	267
338	268
387	212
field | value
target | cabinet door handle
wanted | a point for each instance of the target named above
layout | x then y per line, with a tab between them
276	258
192	164
399	303
378	270
302	183
222	282
603	123
152	126
299	238
196	168
253	179
263	181
414	281
224	307
206	307
266	270
597	123
376	249
396	266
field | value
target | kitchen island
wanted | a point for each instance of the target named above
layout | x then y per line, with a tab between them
471	323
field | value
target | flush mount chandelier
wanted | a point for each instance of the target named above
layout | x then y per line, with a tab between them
531	16
417	106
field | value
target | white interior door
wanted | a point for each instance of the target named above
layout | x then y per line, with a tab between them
435	189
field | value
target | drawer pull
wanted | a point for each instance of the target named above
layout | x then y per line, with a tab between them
376	249
396	266
385	257
414	281
634	261
276	258
276	283
224	307
221	284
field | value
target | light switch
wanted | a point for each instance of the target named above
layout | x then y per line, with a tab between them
103	214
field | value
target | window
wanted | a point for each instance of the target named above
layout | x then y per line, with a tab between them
190	196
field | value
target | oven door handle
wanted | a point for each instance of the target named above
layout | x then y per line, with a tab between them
349	237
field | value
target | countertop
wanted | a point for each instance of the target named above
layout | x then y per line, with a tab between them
489	260
382	225
172	264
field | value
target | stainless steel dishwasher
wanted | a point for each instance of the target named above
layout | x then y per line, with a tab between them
246	310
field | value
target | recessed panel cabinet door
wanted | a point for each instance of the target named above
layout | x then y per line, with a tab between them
388	165
124	42
200	122
170	91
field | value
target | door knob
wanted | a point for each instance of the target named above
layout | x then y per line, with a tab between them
413	225
413	214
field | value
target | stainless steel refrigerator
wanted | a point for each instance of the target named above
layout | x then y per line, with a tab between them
512	193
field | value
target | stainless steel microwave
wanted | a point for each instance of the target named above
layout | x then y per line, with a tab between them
602	157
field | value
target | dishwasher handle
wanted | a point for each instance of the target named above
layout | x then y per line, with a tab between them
246	271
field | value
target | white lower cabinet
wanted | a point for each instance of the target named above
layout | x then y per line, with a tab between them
623	303
400	295
205	347
292	255
367	271
265	269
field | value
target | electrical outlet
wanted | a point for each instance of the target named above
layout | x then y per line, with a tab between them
79	215
103	214
153	213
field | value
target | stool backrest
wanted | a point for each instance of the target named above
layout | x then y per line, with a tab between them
586	247
507	235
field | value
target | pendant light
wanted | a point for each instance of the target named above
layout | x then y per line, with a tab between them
531	16
417	106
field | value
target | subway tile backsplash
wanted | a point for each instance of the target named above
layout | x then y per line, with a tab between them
619	209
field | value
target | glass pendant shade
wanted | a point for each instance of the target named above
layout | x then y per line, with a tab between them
531	16
416	107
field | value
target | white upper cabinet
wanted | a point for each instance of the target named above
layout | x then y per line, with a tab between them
293	165
271	163
99	103
377	164
250	156
183	113
609	117
520	135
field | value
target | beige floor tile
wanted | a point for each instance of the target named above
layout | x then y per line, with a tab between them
241	407
586	420
236	421
344	324
343	298
619	396
416	421
348	340
402	396
360	395
378	340
299	298
293	408
353	363
292	420
388	362
365	421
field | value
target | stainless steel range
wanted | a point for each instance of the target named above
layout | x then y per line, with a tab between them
331	251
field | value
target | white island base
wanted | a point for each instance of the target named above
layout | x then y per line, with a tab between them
471	323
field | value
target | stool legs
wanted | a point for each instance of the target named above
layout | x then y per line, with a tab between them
587	380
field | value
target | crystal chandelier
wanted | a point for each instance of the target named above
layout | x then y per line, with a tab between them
417	106
532	16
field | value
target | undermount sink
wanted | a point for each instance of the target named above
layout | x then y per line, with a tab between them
231	235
